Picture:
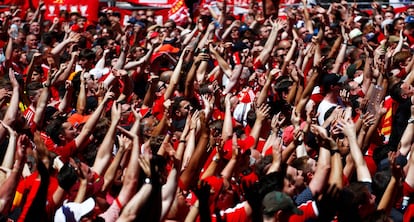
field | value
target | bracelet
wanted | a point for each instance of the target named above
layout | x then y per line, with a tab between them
411	120
147	181
334	151
183	141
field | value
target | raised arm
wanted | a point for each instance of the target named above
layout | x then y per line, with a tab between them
8	188
271	41
341	54
227	130
200	153
64	76
139	200
13	108
262	113
323	167
11	148
175	77
142	60
125	145
130	182
408	135
73	38
104	152
93	120
348	128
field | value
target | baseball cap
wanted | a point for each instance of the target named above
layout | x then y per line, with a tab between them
275	201
409	19
74	211
168	48
332	79
355	33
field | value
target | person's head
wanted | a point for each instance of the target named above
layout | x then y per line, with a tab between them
61	131
410	10
72	211
307	165
37	74
216	128
147	125
80	21
401	59
35	28
398	24
297	177
67	176
389	14
278	206
86	58
283	87
362	198
33	91
91	82
181	107
235	33
264	32
17	52
401	91
332	83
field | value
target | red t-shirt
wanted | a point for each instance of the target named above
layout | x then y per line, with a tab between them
310	211
235	214
29	187
65	151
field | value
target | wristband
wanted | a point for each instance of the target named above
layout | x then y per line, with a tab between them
334	151
183	141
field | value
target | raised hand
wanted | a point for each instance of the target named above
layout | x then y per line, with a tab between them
145	164
13	79
347	127
124	142
277	121
116	112
262	112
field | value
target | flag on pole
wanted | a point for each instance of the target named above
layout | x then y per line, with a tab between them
179	12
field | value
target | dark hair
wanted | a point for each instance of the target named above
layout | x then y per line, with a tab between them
395	92
54	129
155	143
380	182
176	104
33	87
67	177
87	54
251	118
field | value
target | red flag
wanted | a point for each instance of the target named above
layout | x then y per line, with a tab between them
86	8
179	12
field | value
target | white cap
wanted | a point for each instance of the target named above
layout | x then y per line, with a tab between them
355	33
357	18
98	73
74	211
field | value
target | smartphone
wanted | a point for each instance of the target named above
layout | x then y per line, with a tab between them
375	99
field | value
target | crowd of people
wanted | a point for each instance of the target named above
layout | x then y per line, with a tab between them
307	116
